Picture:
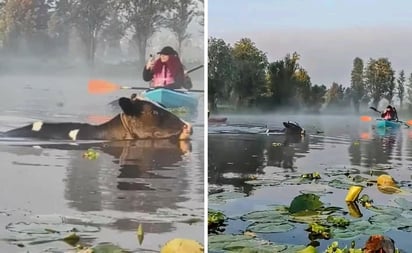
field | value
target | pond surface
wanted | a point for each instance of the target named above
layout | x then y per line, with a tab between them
250	171
48	189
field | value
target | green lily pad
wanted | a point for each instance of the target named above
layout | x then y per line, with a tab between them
265	216
47	228
243	244
222	197
403	203
305	204
108	248
270	227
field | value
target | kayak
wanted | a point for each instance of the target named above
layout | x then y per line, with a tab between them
382	123
172	98
217	120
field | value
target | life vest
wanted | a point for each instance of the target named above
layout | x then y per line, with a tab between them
167	73
163	78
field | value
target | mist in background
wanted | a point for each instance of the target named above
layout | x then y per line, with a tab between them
102	37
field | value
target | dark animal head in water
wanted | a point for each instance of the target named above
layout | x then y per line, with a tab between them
140	119
293	128
145	119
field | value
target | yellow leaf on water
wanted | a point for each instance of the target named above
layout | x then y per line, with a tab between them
181	245
140	234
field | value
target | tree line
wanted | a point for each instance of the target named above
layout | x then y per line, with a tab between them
243	76
46	27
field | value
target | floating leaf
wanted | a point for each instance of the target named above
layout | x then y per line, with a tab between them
305	203
222	197
265	216
403	203
181	245
107	248
242	243
91	154
270	227
140	234
72	239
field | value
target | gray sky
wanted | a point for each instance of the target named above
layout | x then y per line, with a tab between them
327	34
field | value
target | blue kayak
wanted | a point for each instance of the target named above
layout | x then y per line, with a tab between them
382	123
172	98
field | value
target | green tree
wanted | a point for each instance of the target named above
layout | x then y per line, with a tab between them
357	83
317	97
251	63
89	18
380	79
409	91
23	26
334	96
59	26
401	87
201	13
144	17
303	86
221	71
179	19
112	33
283	80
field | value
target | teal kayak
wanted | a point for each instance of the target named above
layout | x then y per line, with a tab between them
172	98
382	123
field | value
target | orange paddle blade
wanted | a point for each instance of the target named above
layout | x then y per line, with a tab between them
102	86
98	119
365	136
366	118
409	122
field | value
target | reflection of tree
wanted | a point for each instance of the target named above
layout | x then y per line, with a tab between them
241	155
379	149
143	177
355	152
288	148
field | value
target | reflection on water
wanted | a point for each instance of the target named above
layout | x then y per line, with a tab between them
332	144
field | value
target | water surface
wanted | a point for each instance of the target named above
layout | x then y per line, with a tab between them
48	188
260	168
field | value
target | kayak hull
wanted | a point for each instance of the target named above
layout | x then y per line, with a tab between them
381	123
172	98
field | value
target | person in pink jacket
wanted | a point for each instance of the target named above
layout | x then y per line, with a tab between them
389	113
166	71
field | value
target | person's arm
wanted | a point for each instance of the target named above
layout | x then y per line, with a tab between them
147	74
147	70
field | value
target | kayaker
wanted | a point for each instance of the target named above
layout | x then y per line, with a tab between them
166	71
389	113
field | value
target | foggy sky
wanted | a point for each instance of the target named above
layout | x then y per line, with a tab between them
328	55
328	35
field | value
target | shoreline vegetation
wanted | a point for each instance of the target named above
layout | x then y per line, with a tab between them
242	75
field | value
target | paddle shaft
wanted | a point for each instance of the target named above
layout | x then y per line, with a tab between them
145	88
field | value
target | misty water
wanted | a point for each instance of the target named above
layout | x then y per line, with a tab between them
48	189
251	171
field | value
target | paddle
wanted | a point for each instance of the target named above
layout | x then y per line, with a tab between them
102	86
376	110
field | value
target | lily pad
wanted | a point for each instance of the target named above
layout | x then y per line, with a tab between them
265	216
242	243
222	197
47	228
270	227
403	203
305	204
